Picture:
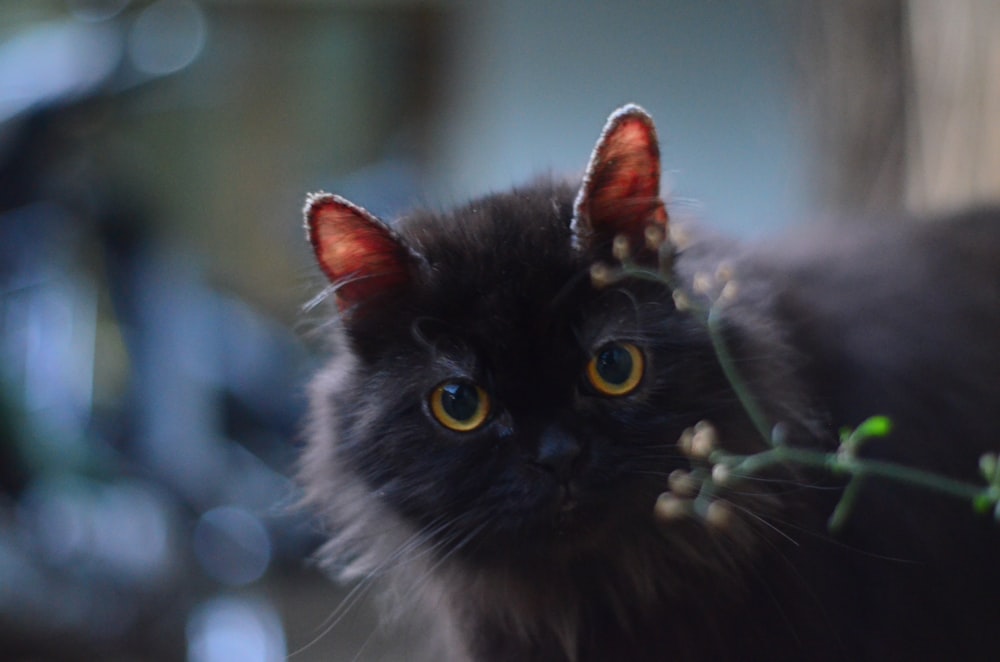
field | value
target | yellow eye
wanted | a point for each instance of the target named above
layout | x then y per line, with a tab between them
460	406
616	369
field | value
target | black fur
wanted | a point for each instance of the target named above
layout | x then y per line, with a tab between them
469	529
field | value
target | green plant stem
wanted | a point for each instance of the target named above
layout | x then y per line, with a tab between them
843	462
848	464
713	324
728	365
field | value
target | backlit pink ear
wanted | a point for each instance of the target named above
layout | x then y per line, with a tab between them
360	255
620	195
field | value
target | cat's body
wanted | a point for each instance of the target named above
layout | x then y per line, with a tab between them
464	451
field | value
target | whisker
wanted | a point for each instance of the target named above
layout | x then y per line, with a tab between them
452	549
365	584
764	522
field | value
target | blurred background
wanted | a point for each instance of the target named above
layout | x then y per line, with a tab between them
154	158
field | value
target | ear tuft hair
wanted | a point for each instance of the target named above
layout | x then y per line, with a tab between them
360	255
620	195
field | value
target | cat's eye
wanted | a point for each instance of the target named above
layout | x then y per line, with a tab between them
460	405
616	369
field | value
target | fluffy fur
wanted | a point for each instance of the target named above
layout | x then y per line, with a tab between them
511	557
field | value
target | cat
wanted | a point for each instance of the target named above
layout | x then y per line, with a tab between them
512	382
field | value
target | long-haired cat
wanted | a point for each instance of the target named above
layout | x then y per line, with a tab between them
503	408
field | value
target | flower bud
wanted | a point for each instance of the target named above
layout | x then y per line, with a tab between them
670	508
684	442
702	283
719	515
600	275
654	237
721	474
682	484
620	248
678	237
705	440
681	302
729	292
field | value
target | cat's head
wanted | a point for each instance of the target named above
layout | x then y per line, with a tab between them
491	391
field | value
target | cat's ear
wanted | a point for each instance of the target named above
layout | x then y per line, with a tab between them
620	195
360	255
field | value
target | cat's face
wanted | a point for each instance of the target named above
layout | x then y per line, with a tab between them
500	399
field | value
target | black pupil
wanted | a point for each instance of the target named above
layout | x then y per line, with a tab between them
614	364
460	401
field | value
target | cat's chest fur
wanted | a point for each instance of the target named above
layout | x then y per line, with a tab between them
500	417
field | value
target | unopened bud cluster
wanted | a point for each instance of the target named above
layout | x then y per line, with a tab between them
691	493
718	289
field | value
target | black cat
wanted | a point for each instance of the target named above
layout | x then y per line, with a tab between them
504	405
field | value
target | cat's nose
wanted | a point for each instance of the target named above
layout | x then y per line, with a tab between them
557	452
